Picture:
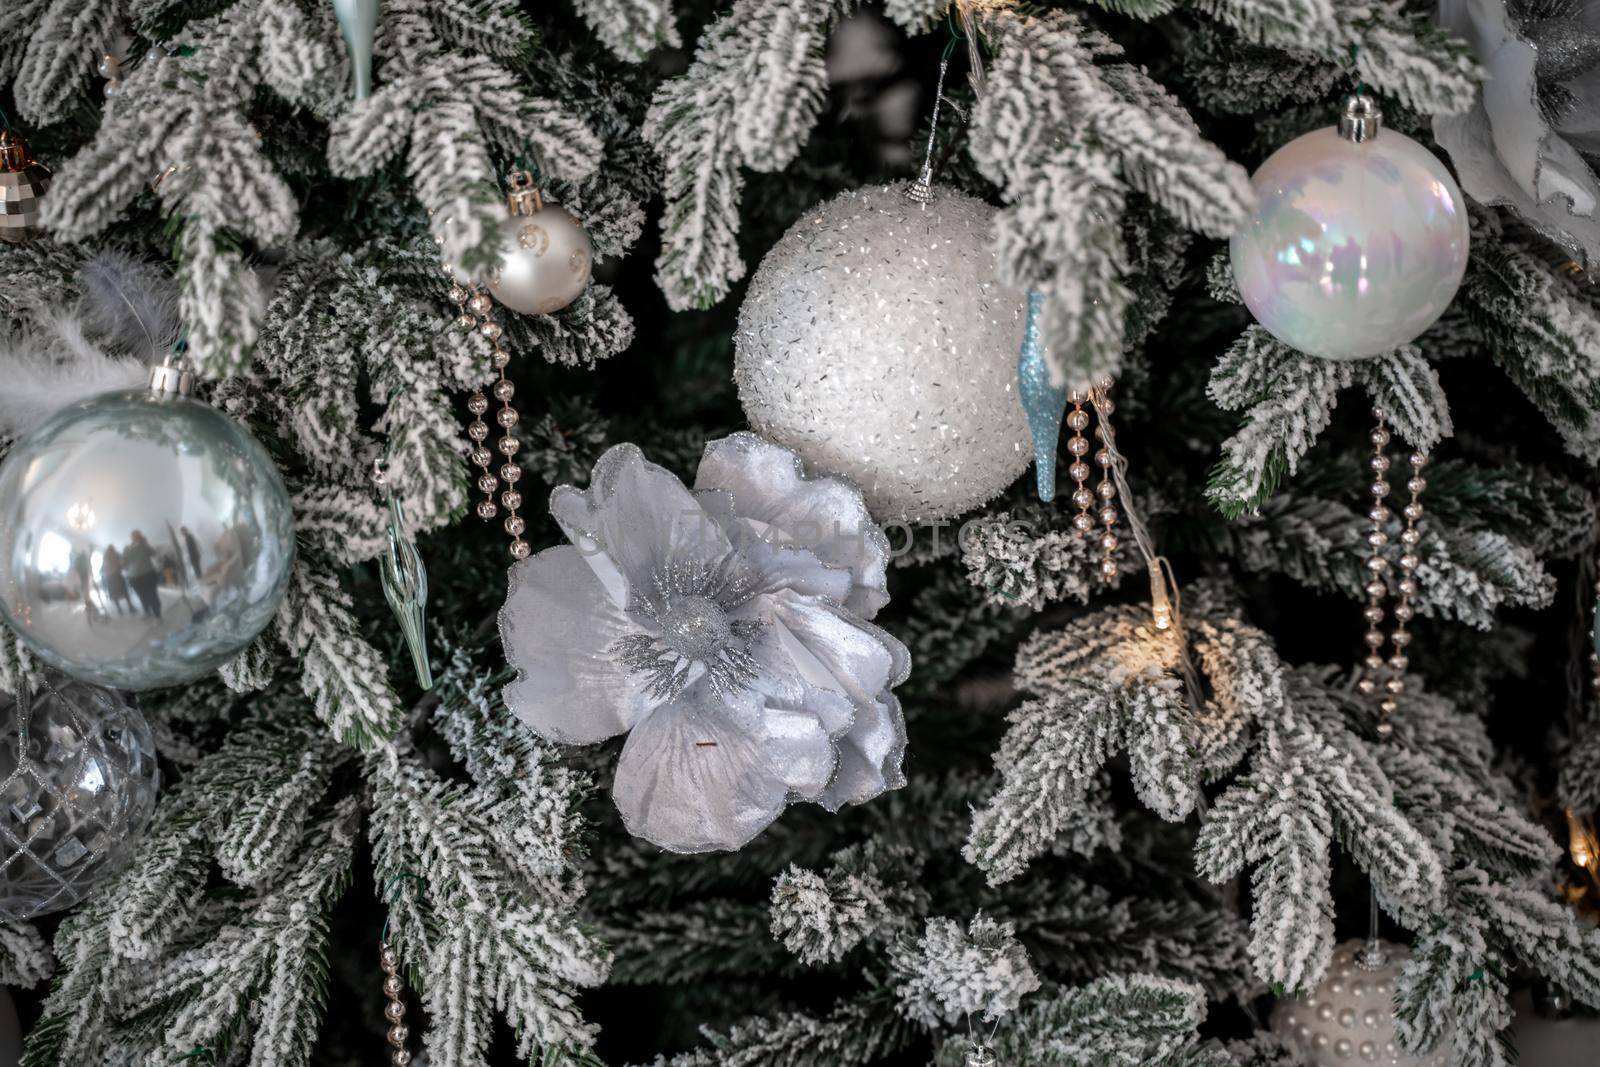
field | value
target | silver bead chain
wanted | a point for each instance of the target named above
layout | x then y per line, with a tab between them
476	312
1078	447
1105	492
1378	672
1594	660
394	987
1100	396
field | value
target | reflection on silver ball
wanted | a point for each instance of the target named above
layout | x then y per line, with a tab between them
878	343
78	783
144	539
544	261
1349	1017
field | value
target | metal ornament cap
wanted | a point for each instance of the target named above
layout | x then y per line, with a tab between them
1361	120
144	539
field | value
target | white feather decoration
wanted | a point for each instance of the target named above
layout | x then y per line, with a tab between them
52	366
129	307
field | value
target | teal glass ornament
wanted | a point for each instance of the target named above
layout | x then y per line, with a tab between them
1042	402
145	537
358	21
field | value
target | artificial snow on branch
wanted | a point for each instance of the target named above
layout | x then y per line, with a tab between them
749	99
1399	52
1066	137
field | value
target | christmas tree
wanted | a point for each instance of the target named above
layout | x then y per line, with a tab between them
1098	779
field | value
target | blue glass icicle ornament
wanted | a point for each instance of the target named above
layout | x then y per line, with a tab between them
405	580
358	21
1042	402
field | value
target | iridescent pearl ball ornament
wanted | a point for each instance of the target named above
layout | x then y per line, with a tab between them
545	255
145	537
878	342
1358	240
78	781
1348	1019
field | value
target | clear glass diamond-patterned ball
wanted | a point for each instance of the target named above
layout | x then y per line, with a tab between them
78	783
1353	248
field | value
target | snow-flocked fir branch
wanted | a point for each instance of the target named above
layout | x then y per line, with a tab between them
1021	562
1398	52
1066	138
631	28
344	675
1121	1020
1541	327
450	107
952	974
1288	399
1486	535
863	896
179	125
1112	683
25	959
156	964
749	99
854	1034
479	882
1076	931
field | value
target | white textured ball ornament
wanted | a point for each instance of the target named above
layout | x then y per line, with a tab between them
545	255
877	342
1348	1019
1358	240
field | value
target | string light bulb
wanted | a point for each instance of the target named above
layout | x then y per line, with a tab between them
1581	844
1160	603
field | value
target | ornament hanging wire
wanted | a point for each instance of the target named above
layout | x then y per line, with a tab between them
921	190
1166	602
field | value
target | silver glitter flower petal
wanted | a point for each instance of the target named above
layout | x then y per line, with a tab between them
772	560
707	772
641	517
877	341
777	501
560	625
743	681
1504	150
870	755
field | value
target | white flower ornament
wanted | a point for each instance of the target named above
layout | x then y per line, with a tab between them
723	630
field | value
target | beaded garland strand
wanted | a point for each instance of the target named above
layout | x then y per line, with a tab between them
1378	672
475	311
394	987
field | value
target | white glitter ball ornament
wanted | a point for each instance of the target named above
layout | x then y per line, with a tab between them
878	343
1358	240
1349	1017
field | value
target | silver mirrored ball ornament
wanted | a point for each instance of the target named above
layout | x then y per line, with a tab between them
78	781
144	539
1355	246
878	342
